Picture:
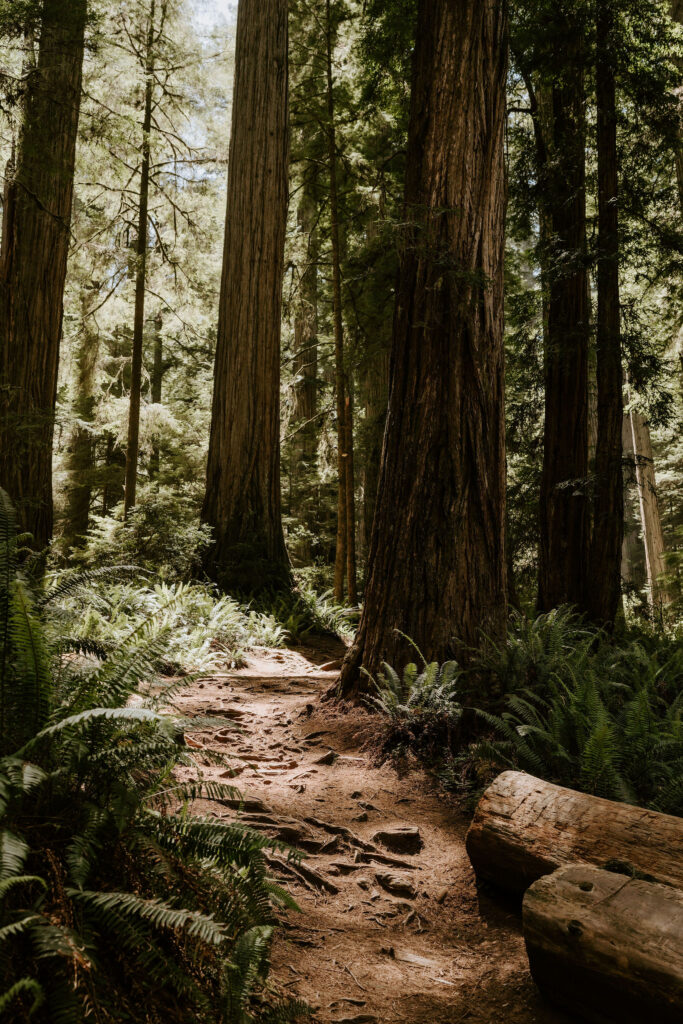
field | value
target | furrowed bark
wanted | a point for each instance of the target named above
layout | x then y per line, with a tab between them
35	244
437	554
242	500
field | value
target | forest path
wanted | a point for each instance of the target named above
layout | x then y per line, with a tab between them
410	942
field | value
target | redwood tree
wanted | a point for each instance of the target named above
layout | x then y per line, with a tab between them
608	527
35	245
437	560
242	501
559	123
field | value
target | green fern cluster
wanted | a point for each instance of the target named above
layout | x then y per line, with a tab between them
116	904
420	707
603	715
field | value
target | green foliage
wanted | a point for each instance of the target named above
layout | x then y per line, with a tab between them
305	611
420	706
205	630
565	702
162	534
115	903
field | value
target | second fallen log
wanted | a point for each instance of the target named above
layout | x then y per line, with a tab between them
606	946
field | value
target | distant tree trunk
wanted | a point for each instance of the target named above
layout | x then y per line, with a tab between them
155	390
345	554
676	7
133	445
604	594
633	571
35	245
349	483
651	523
305	367
80	459
437	563
563	508
242	501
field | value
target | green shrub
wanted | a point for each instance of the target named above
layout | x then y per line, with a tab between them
116	905
564	702
162	534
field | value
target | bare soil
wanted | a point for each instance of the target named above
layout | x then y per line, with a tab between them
433	951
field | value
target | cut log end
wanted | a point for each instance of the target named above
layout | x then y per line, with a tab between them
606	946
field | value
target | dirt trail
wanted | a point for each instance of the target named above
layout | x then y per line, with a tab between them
408	942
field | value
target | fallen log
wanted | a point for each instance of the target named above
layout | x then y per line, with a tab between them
524	828
605	946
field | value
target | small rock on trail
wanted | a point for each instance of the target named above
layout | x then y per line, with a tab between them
400	839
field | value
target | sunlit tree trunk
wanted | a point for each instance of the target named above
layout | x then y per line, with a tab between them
604	595
242	501
157	378
35	245
345	555
133	444
437	562
651	524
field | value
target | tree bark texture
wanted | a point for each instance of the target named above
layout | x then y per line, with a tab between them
564	500
35	245
242	501
437	554
133	443
605	946
525	828
604	595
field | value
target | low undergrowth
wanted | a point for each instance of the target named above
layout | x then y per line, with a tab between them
565	703
116	904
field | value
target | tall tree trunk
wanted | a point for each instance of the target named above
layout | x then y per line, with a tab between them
242	501
349	483
676	8
305	367
344	555
604	595
373	386
155	390
633	571
437	563
133	445
80	461
35	245
563	508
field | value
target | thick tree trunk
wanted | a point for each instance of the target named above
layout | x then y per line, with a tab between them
604	595
80	460
242	501
35	246
133	445
605	946
564	501
437	555
524	828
